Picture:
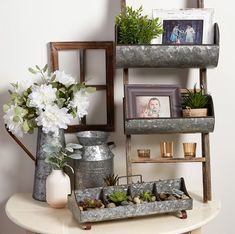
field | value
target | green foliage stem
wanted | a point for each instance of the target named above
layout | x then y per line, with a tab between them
133	28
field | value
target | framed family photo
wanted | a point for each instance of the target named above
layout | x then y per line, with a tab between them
185	26
182	32
152	101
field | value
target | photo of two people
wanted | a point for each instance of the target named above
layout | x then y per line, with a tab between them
182	32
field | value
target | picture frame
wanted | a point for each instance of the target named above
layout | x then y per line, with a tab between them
182	32
152	101
200	19
84	51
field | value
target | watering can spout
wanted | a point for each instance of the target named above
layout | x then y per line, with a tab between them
21	144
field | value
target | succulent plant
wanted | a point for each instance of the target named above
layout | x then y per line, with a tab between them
90	203
146	196
117	197
111	180
195	99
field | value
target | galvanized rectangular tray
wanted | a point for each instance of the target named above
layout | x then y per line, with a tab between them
133	210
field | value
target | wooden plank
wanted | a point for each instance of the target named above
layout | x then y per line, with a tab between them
123	5
203	79
170	160
200	3
128	159
125	76
206	168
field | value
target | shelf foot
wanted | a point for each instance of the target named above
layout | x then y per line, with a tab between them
86	226
183	214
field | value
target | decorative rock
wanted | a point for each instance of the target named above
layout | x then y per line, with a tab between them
136	200
125	203
111	205
184	197
171	197
163	196
177	191
129	198
177	195
153	198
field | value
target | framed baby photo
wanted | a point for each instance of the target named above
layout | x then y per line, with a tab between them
185	26
152	101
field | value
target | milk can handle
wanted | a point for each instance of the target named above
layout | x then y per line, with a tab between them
20	144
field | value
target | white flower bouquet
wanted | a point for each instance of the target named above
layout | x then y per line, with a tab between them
47	100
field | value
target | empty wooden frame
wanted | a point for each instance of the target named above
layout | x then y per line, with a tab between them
84	49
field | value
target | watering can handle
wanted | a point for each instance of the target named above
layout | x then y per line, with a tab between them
111	145
20	144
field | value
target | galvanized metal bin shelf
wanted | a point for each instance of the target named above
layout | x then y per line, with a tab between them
174	56
132	210
172	125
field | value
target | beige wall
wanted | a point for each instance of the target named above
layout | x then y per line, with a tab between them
27	26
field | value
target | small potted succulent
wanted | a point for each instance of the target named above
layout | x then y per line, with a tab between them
195	103
111	180
58	182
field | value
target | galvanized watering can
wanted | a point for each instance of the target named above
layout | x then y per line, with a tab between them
96	161
42	169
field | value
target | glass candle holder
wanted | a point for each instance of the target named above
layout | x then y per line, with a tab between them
189	149
166	149
143	153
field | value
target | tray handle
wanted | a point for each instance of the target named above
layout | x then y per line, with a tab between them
130	176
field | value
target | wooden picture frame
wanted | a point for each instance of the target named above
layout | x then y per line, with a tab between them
152	101
108	47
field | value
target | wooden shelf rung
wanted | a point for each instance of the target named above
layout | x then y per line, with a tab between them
170	160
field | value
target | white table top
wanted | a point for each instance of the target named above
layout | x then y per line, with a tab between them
38	217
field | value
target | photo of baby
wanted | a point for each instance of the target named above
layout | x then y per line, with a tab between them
153	106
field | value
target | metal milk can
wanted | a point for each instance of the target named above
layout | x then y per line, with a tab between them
96	159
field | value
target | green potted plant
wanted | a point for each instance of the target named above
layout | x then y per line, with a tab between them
58	182
111	180
135	28
195	103
134	33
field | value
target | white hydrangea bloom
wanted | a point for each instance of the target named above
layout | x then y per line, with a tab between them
64	78
81	102
22	86
16	127
53	118
42	96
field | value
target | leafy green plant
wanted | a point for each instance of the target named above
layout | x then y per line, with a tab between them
118	197
195	99
58	155
146	196
111	180
133	28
